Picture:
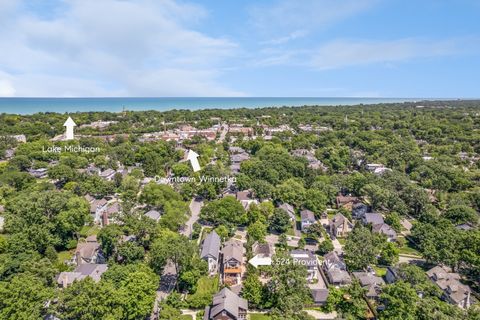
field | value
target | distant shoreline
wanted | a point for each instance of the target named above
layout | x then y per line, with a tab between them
26	106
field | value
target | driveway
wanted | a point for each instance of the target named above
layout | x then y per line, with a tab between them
337	247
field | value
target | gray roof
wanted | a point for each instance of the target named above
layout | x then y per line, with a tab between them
307	215
367	278
319	295
226	300
339	219
82	271
336	275
153	214
289	209
384	229
233	249
373	218
211	246
264	249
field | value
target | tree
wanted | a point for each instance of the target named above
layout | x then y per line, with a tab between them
224	211
290	191
130	252
23	297
87	300
325	246
171	246
109	237
158	195
253	289
389	254
175	214
288	288
257	231
360	248
280	221
315	200
353	305
393	220
400	301
462	214
137	294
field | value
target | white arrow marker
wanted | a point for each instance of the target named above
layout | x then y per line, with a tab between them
192	156
69	124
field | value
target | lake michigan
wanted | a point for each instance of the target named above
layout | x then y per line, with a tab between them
62	105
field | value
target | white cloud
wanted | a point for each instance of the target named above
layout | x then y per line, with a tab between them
132	48
344	53
291	19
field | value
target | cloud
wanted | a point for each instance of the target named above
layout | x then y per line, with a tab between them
105	48
345	53
291	19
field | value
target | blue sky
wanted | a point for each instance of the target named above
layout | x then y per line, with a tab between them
322	48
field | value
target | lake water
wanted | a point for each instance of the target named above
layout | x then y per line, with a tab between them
62	105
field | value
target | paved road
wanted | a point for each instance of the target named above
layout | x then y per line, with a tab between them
223	134
195	207
169	276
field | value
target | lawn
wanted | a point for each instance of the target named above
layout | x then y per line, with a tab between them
259	316
409	249
186	317
89	230
206	288
380	271
342	241
64	255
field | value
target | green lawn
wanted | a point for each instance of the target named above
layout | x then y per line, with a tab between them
64	255
408	249
206	288
259	316
186	317
342	241
89	230
380	271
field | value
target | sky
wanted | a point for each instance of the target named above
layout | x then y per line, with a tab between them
272	48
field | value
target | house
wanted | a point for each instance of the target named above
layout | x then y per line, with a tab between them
335	270
96	207
385	229
94	271
211	251
40	173
226	305
88	252
289	209
454	291
381	171
332	260
246	198
392	275
319	296
108	211
359	210
307	259
235	150
340	226
154	215
107	174
307	219
346	202
464	226
371	282
232	262
372	218
262	254
373	166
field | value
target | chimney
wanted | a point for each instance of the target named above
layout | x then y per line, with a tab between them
65	280
105	218
78	258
